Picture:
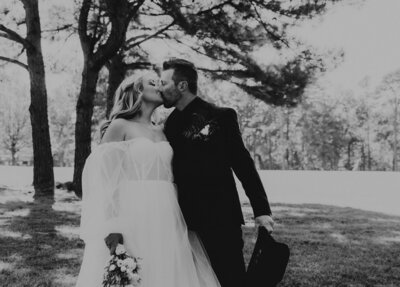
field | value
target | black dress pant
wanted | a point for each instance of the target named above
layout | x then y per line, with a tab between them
224	247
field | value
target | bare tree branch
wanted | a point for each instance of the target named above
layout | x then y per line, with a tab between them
197	50
214	7
159	32
138	65
58	29
153	14
219	70
21	52
14	61
82	25
135	38
134	9
119	18
13	36
269	32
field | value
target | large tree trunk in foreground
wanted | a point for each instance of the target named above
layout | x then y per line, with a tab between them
43	177
83	125
98	46
116	74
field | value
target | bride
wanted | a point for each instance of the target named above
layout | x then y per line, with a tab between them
128	189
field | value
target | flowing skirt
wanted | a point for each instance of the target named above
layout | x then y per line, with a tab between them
153	228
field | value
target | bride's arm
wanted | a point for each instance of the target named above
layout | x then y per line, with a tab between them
100	179
115	132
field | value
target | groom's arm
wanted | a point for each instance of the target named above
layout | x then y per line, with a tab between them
243	166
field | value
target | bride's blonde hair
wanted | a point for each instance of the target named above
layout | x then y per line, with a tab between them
127	101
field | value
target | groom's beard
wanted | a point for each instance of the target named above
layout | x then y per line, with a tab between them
163	99
167	104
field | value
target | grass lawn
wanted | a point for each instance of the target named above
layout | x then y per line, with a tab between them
330	246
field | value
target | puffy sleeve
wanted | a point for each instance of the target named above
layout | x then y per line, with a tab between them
101	177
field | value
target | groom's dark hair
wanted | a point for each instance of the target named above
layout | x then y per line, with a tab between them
183	71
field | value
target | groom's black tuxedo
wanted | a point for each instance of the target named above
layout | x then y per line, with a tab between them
207	146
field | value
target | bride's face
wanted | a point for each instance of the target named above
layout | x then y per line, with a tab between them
151	94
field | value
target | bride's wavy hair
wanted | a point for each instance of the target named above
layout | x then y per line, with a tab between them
127	101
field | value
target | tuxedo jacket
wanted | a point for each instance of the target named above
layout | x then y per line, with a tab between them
208	146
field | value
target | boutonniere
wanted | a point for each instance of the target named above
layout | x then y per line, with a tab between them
201	129
206	130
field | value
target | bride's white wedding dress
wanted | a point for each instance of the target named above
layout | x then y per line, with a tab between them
128	189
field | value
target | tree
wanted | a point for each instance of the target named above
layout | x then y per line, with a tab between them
149	24
389	88
216	30
231	31
102	26
14	129
118	67
43	177
224	32
61	112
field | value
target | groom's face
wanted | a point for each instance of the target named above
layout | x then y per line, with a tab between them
168	89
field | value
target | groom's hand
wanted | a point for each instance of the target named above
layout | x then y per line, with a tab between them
265	221
112	240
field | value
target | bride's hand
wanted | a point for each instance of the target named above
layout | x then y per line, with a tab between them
112	240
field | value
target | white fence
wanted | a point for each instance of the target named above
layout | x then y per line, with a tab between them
375	191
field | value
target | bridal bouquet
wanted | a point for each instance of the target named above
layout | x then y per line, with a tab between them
122	270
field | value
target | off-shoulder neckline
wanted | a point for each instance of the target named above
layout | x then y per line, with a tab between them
134	139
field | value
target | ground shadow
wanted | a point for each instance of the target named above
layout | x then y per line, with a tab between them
330	246
34	248
334	246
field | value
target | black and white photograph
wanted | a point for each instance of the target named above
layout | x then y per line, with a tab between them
199	143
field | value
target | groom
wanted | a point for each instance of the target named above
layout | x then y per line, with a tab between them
207	146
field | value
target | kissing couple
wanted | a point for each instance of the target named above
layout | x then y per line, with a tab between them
168	193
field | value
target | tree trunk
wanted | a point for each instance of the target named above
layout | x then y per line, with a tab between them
282	139
287	156
349	152
368	145
119	14
270	159
363	157
83	125
254	142
13	156
395	133
348	164
43	177
116	74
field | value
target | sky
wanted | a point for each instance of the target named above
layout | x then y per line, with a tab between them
369	36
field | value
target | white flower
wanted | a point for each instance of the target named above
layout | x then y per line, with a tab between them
120	263
130	263
130	274
135	277
123	268
206	130
120	249
112	267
